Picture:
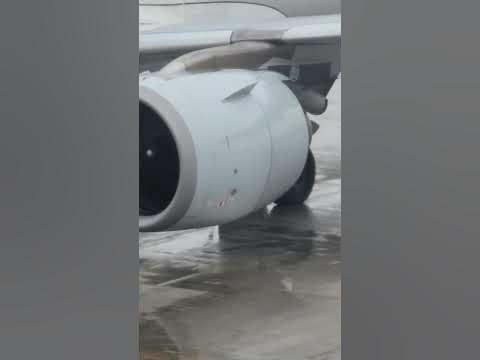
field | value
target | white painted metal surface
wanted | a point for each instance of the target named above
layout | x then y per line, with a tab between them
174	13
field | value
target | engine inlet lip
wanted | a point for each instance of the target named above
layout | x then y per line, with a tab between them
187	182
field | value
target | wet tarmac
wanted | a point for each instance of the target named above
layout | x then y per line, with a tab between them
266	287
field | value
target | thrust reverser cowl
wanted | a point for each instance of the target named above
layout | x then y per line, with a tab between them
216	146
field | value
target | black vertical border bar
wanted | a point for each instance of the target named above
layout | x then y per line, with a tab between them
68	180
410	168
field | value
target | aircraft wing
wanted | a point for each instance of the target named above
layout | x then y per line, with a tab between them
313	43
297	30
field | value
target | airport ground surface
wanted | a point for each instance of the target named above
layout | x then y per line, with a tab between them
264	288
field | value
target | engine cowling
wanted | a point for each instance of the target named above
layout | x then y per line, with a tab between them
216	146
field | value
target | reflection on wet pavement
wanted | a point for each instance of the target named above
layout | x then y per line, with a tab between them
265	287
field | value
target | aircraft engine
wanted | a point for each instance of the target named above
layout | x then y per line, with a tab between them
216	146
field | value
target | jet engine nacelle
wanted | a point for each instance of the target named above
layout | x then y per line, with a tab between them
216	146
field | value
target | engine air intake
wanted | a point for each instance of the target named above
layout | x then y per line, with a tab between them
159	163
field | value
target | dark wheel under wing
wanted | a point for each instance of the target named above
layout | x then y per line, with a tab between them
302	189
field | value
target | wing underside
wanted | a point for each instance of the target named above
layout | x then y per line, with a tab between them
309	47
